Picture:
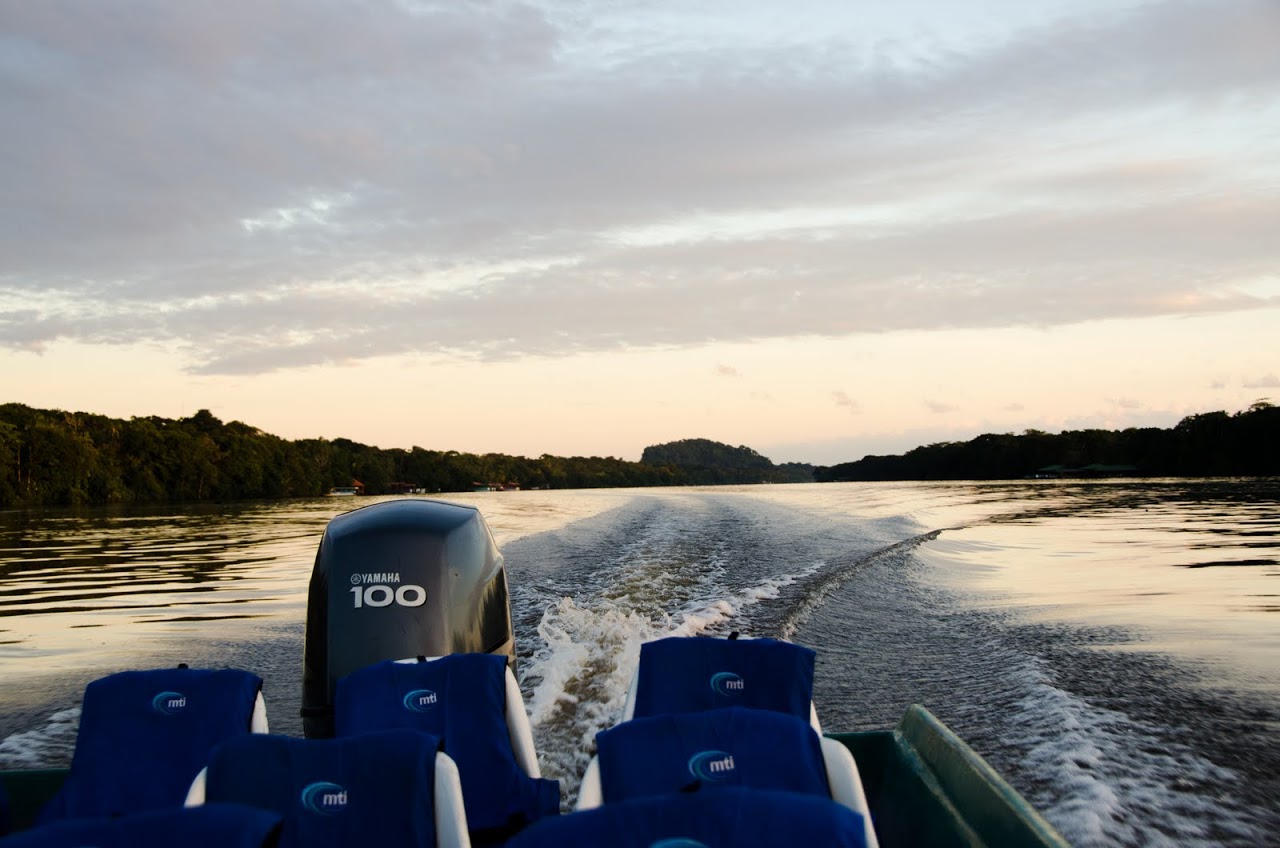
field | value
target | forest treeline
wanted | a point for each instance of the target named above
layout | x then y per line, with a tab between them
57	458
1211	444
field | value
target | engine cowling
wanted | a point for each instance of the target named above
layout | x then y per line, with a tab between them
399	579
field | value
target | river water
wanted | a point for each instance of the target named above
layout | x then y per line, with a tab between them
1111	647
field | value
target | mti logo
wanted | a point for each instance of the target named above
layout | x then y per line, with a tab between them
169	703
728	684
324	798
420	700
711	765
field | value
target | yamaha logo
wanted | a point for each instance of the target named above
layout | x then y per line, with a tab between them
728	684
365	578
324	798
169	703
711	765
420	700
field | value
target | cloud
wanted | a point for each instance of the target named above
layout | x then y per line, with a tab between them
1267	381
727	371
282	185
939	408
843	399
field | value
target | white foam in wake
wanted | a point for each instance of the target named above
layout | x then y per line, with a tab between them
581	674
52	743
1110	779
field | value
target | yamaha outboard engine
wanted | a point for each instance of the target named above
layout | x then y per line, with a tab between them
400	579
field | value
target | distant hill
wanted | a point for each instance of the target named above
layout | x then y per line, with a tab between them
708	462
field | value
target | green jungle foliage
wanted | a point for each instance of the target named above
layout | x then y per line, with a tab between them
713	462
52	457
1211	444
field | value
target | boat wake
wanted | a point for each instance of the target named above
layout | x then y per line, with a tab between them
577	680
888	634
48	744
819	588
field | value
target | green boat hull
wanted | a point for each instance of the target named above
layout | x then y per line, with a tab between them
925	787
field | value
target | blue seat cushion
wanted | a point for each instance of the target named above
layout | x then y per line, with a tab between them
462	699
734	746
213	825
688	674
732	818
144	735
334	792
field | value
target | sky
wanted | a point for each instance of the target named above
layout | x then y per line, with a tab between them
581	227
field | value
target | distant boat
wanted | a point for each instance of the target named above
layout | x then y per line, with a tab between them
511	486
343	491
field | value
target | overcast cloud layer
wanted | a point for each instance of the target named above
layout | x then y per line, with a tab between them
278	185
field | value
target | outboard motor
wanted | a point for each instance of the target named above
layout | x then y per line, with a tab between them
400	579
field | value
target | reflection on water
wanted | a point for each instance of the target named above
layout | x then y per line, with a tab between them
1189	567
136	574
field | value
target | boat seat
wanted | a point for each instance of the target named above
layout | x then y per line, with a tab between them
144	735
394	788
709	751
472	702
214	826
733	816
692	673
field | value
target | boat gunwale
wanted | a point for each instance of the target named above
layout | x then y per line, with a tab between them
951	794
